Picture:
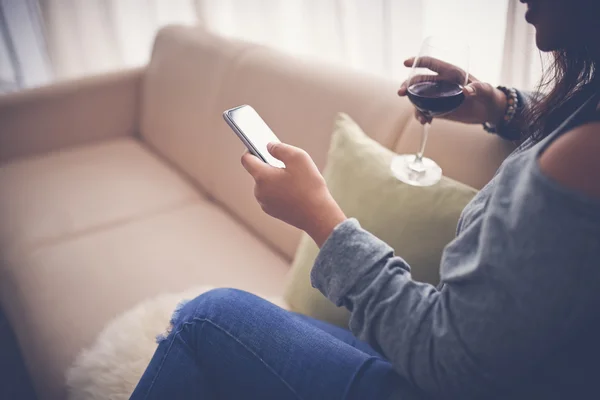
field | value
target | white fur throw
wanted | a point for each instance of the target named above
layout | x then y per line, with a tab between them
113	365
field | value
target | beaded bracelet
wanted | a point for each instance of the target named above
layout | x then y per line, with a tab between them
512	105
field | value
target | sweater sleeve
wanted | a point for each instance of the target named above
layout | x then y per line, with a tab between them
515	286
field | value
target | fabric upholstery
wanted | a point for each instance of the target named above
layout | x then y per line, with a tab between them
60	296
182	81
104	226
66	114
417	222
62	195
199	76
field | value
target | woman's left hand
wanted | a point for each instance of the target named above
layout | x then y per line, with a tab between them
296	194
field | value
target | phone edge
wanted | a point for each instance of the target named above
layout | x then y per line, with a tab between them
241	135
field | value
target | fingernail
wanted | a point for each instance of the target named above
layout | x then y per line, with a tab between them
469	90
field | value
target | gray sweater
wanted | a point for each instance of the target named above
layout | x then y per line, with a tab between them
517	315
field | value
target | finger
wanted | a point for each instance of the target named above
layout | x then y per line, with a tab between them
469	91
422	118
472	79
434	64
254	165
403	91
409	62
479	89
444	69
285	152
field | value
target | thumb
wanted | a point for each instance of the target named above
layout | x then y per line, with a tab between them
284	152
479	89
254	165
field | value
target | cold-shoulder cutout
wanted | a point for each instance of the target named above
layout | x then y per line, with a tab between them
573	160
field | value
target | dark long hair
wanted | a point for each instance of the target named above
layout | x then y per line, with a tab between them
571	78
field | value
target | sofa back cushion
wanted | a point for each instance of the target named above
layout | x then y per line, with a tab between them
194	76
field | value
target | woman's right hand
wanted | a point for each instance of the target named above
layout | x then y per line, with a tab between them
483	102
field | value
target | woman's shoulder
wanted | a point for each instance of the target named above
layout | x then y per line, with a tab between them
573	160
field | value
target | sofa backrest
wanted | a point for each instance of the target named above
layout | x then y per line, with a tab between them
194	76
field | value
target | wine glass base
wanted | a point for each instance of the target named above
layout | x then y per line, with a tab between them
426	174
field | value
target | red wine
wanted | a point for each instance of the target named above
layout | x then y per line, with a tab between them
436	97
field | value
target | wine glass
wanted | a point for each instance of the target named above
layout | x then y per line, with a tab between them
435	87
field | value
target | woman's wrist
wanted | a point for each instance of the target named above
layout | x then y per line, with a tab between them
500	104
325	222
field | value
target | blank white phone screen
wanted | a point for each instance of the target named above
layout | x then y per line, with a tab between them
257	132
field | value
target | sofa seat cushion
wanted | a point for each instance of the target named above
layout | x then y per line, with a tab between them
46	199
60	296
90	231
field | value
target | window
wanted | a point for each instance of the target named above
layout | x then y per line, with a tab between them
376	36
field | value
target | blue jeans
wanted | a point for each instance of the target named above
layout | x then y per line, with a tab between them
229	344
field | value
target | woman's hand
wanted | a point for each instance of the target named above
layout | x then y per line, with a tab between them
296	194
483	102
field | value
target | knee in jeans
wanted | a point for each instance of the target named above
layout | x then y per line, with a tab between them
214	302
207	305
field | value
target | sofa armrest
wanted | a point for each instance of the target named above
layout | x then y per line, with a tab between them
69	113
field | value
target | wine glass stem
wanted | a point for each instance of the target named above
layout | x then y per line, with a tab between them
417	164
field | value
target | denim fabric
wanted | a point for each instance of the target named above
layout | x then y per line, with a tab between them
229	344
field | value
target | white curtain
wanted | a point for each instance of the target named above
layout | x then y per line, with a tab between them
92	36
23	55
521	62
372	35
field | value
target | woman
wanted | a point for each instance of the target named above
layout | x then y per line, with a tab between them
518	313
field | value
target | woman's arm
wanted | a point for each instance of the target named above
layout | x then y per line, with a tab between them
516	286
528	286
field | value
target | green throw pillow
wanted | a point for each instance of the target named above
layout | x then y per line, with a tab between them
417	222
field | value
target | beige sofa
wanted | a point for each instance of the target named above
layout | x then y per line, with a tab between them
120	187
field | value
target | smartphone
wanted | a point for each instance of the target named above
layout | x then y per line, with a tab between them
253	131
